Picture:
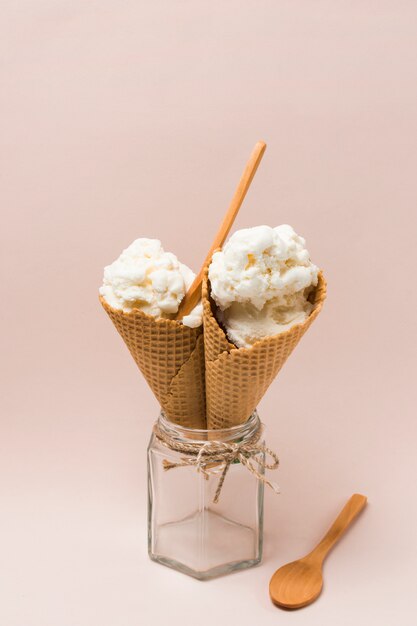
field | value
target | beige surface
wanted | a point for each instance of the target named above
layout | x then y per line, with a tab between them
113	117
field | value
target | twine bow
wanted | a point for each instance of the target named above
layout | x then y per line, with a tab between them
219	453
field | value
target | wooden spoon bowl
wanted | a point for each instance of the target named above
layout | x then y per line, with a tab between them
296	584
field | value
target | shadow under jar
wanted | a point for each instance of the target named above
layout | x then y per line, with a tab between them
186	529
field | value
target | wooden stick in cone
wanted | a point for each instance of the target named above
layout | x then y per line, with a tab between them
193	295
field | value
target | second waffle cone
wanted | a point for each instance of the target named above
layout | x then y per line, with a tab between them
237	378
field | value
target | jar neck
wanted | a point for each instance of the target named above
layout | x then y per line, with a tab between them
242	432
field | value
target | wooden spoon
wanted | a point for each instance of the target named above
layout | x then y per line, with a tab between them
299	583
193	295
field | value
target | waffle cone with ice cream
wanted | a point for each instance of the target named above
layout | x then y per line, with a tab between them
237	378
141	292
267	294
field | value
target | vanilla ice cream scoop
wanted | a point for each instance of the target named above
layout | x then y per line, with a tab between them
146	277
261	282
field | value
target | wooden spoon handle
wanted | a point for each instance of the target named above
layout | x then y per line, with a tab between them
349	512
193	295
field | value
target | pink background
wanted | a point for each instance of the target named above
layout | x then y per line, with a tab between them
127	119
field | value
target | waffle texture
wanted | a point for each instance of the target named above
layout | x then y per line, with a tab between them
237	378
171	358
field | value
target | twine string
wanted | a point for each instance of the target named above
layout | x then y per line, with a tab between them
250	453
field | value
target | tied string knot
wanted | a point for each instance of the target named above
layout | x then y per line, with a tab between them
204	456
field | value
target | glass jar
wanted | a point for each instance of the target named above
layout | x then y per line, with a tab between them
187	530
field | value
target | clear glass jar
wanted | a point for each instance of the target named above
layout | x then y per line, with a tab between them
186	529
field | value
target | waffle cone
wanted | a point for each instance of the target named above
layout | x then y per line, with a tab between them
237	378
171	358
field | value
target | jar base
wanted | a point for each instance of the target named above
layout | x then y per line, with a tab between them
180	545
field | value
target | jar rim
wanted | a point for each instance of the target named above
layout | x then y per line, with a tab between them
240	431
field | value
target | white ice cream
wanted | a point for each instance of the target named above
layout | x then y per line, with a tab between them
261	281
147	278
